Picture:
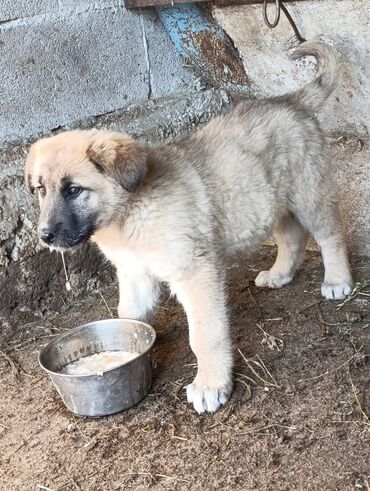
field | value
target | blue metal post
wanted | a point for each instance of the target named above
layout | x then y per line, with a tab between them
204	46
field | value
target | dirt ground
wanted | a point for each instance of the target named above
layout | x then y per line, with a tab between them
297	420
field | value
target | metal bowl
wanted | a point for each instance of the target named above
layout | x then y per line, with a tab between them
112	390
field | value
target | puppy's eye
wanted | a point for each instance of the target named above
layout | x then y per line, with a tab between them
41	190
74	191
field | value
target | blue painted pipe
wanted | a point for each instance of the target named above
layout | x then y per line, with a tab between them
204	46
182	20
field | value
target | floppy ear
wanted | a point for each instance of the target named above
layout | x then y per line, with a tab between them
120	157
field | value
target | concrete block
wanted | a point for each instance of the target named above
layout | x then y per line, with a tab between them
265	53
166	73
82	64
17	9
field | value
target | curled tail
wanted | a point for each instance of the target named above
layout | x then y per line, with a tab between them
316	92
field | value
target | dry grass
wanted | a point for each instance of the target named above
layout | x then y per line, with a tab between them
357	290
259	371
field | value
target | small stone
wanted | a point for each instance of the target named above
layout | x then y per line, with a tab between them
71	427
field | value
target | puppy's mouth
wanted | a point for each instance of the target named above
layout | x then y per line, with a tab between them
65	241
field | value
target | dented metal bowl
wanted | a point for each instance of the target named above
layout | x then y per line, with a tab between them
112	390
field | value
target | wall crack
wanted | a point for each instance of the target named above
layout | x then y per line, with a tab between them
147	58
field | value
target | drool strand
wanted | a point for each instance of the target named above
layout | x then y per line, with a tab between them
68	283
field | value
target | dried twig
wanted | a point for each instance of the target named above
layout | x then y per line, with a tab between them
271	341
17	347
173	431
15	366
28	440
267	371
309	306
243	375
259	364
354	390
241	381
11	362
327	372
33	435
105	303
152	475
356	291
324	322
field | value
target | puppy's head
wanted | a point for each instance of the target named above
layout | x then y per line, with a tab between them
83	180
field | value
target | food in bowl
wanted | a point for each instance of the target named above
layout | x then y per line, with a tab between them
98	363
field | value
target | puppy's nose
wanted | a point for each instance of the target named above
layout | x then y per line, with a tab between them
47	235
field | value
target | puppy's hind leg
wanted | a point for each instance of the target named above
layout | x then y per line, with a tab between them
327	230
291	240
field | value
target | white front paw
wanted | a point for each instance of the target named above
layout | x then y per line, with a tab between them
272	279
207	399
336	291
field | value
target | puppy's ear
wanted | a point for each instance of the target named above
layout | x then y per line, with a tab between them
120	157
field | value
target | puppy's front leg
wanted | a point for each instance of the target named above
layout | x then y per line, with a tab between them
203	299
138	294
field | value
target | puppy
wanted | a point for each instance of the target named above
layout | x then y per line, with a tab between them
172	212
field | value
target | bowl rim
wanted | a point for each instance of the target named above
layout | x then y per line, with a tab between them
100	374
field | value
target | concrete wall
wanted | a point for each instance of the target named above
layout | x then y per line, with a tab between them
64	60
265	54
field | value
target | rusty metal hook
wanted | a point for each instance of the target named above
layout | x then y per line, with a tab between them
277	14
280	6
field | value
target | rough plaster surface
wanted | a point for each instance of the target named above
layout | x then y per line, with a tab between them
264	51
15	9
148	122
351	161
81	61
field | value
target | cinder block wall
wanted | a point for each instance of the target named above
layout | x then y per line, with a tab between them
63	60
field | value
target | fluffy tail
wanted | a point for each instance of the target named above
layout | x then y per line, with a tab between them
316	92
